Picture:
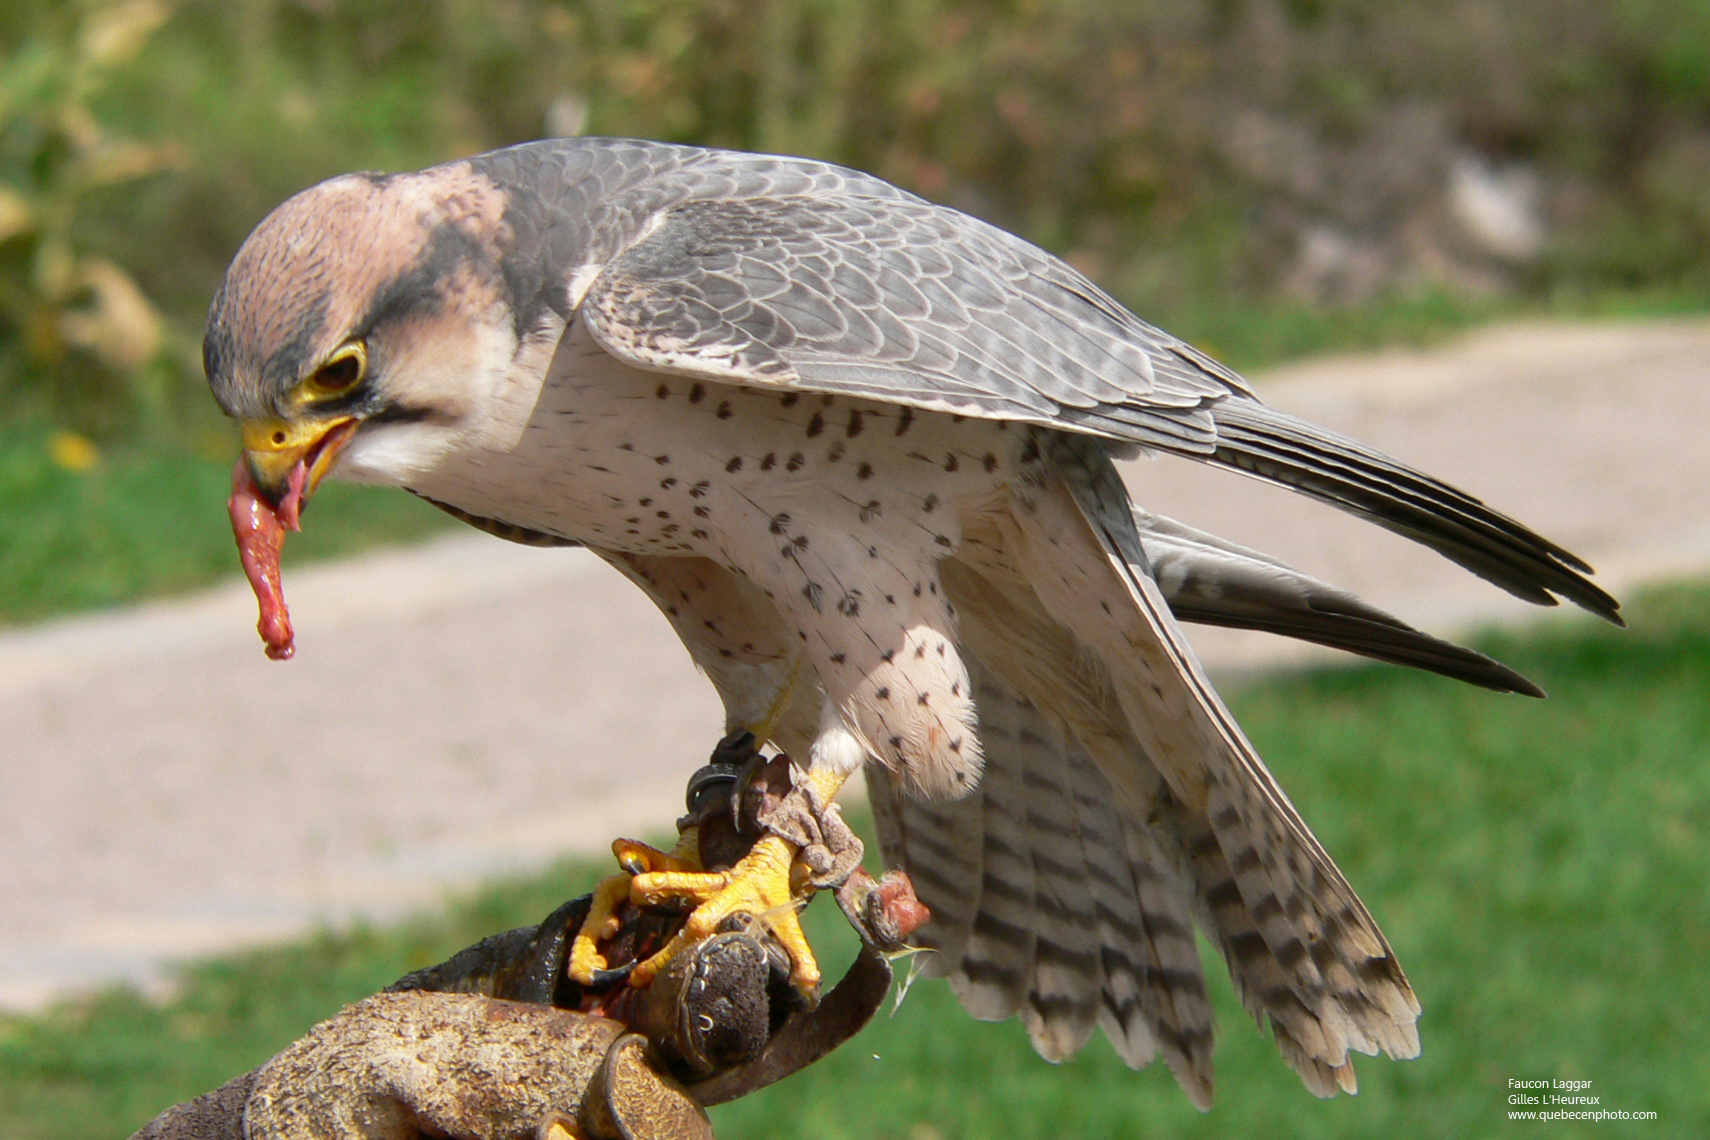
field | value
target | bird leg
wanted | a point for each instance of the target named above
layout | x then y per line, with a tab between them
804	846
587	966
763	883
710	798
781	840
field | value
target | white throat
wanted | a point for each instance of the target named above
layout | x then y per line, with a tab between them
500	383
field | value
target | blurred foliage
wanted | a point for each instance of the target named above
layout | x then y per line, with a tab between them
1242	156
74	326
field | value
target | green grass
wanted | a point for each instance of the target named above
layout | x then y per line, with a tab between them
1539	866
147	521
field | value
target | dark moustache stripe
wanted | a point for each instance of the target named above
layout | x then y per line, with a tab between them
403	414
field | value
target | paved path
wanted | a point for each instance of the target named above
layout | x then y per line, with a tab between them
165	792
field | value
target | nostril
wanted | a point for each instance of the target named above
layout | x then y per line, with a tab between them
278	437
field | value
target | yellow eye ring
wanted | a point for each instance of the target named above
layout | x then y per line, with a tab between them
341	373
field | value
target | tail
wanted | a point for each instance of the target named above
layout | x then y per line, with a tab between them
1120	797
1119	803
1306	954
1054	901
1048	903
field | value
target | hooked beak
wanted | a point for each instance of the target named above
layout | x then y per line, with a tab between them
289	460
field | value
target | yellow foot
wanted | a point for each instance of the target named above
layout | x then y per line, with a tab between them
602	921
560	1127
762	883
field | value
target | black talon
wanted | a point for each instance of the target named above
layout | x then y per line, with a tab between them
606	979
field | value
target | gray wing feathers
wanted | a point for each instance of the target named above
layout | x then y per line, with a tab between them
756	269
901	301
1344	989
1043	862
1284	449
1212	581
1012	891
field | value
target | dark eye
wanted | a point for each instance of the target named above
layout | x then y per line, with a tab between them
340	374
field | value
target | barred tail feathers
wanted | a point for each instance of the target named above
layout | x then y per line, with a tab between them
1298	940
1106	939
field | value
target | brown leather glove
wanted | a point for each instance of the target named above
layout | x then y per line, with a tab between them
473	1064
497	1043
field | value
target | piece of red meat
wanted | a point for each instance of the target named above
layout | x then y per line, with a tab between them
260	530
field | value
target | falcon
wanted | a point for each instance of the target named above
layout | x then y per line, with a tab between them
859	449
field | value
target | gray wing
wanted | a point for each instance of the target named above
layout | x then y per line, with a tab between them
902	301
1212	581
890	297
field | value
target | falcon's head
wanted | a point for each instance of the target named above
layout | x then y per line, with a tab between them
367	321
